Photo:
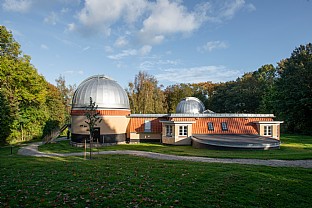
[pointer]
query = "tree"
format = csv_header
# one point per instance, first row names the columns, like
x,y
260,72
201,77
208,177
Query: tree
x,y
8,46
293,90
27,100
145,95
5,119
92,119
66,93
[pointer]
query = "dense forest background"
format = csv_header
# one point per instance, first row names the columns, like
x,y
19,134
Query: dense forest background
x,y
31,107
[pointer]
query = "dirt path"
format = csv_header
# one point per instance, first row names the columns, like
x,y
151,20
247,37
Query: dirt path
x,y
32,150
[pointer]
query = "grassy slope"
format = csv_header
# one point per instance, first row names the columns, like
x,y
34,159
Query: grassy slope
x,y
128,181
293,147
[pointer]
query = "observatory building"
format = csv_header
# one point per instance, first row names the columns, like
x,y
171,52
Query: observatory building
x,y
113,107
192,124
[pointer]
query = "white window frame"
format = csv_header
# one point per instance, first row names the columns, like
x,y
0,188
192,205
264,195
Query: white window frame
x,y
147,126
267,130
183,130
169,130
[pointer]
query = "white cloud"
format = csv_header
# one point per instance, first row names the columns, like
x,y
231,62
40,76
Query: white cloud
x,y
146,49
71,27
124,53
152,22
17,5
168,17
52,18
121,42
158,64
226,10
44,47
211,45
101,14
198,74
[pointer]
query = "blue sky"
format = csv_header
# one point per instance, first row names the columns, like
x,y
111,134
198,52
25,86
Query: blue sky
x,y
176,41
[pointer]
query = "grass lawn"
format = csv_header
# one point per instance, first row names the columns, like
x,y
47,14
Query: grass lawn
x,y
293,147
128,181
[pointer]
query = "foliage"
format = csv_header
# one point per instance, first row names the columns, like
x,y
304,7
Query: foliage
x,y
145,95
5,118
93,118
30,100
8,46
128,181
293,90
246,94
66,94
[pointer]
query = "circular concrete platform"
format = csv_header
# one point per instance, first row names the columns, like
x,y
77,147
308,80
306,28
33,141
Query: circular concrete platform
x,y
234,141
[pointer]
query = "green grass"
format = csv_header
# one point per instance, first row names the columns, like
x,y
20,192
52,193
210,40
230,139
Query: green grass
x,y
294,147
128,181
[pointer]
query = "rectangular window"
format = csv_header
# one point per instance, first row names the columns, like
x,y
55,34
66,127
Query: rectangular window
x,y
182,130
147,126
224,126
267,131
210,126
168,131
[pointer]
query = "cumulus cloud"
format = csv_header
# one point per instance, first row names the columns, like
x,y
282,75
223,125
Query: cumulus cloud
x,y
198,74
103,13
168,18
211,45
17,5
153,21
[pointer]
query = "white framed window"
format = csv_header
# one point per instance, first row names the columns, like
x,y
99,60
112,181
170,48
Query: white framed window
x,y
182,130
224,126
168,130
210,126
147,126
268,130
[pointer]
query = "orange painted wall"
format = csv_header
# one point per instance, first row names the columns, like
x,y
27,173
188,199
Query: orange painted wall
x,y
103,112
235,125
137,125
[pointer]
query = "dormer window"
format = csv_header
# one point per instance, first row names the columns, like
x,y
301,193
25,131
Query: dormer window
x,y
210,126
224,126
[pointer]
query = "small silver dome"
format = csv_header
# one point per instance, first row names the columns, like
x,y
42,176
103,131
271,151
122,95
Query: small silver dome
x,y
190,105
105,92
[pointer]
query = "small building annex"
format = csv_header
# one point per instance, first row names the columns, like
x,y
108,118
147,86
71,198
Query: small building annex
x,y
192,124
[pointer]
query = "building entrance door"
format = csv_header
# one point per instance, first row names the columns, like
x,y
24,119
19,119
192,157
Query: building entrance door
x,y
96,134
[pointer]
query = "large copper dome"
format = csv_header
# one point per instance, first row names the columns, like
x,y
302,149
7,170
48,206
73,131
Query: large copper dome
x,y
105,92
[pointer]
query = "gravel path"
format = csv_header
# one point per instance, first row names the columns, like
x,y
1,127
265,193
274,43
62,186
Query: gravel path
x,y
32,150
